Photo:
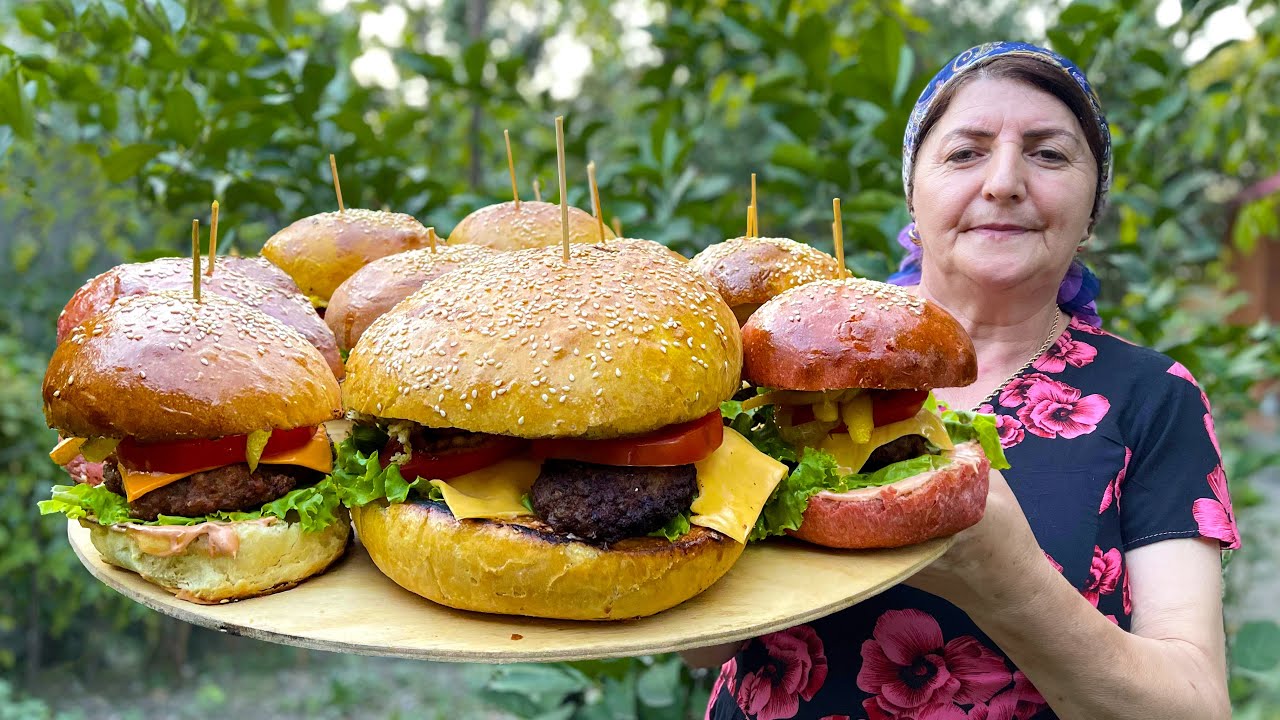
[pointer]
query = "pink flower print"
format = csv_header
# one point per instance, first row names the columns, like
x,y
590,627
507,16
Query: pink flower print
x,y
726,678
1103,574
1181,371
1010,429
1053,409
986,409
908,668
1216,518
1125,600
1015,392
796,669
1213,434
1112,493
1085,327
1020,702
1056,565
834,717
1065,351
927,712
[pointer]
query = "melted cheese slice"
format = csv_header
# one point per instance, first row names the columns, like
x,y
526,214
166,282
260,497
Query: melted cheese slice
x,y
733,484
66,450
492,492
852,456
317,455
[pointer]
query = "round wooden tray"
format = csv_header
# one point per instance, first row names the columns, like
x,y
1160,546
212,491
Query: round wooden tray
x,y
353,608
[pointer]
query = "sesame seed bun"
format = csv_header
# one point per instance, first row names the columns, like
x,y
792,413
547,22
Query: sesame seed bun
x,y
650,245
533,225
260,269
379,286
855,333
748,272
166,367
526,569
619,341
288,306
321,251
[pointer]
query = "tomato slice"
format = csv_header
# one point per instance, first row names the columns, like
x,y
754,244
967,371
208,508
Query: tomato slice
x,y
445,464
887,407
679,444
187,455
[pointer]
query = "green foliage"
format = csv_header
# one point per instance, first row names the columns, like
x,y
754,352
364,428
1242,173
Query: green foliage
x,y
647,688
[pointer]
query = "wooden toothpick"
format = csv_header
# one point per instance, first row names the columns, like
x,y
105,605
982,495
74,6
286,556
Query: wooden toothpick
x,y
213,240
564,190
511,168
431,238
537,190
755,215
195,259
837,235
617,226
337,187
595,198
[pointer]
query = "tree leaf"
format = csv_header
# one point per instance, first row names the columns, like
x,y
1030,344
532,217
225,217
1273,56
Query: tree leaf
x,y
658,685
127,161
1257,646
473,60
281,15
182,116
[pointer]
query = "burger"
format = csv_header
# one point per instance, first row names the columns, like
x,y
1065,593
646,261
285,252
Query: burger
x,y
650,246
520,226
229,279
321,251
748,272
844,370
208,418
543,438
377,287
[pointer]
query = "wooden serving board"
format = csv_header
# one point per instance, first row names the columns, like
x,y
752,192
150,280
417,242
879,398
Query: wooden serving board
x,y
353,608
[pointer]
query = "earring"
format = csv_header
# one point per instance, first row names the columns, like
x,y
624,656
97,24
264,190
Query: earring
x,y
914,235
1080,247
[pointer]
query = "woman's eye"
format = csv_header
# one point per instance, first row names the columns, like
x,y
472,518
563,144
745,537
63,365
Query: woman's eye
x,y
1052,155
960,156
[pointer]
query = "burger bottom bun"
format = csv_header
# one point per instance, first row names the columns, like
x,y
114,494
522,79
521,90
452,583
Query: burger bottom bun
x,y
929,505
515,569
270,558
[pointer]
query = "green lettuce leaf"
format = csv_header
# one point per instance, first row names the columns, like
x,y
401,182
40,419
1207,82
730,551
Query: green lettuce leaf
x,y
314,507
757,426
784,510
360,479
676,528
964,425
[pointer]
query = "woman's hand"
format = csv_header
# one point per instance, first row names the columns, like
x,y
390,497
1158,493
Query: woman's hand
x,y
976,570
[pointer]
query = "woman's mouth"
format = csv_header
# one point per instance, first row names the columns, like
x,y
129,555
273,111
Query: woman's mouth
x,y
997,231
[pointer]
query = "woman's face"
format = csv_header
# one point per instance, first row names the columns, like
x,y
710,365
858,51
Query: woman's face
x,y
1003,187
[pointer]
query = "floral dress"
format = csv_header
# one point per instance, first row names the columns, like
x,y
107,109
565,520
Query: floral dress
x,y
1112,447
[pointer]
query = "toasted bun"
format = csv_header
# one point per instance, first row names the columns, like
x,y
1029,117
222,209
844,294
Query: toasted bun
x,y
854,333
650,245
382,284
270,558
165,367
321,251
288,306
748,272
499,567
534,225
260,269
929,505
618,341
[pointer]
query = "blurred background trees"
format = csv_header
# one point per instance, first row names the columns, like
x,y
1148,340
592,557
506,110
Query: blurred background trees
x,y
122,119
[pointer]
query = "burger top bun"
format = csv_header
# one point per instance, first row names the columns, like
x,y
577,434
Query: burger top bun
x,y
855,333
750,271
534,225
617,341
379,286
260,269
288,306
166,367
321,251
651,246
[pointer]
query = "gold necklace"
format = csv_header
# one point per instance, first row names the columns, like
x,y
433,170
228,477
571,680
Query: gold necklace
x,y
1053,335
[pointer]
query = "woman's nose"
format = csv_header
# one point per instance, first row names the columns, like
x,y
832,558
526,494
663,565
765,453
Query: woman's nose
x,y
1005,175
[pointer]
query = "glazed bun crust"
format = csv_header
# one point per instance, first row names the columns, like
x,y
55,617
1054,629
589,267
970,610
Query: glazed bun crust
x,y
855,333
165,367
620,341
931,505
382,284
260,289
270,558
535,224
503,567
321,251
750,271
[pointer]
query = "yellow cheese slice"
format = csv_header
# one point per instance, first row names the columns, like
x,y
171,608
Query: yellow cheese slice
x,y
733,484
317,455
492,492
66,450
852,456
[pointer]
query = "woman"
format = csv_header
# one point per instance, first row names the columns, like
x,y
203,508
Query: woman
x,y
1091,588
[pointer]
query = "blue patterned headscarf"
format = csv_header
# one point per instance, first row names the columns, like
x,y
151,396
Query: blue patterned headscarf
x,y
1080,286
